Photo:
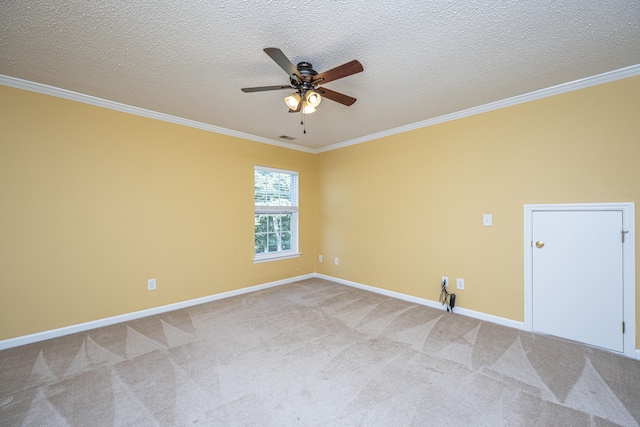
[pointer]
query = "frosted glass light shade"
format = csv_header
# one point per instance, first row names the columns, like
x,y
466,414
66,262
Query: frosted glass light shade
x,y
308,109
292,100
313,98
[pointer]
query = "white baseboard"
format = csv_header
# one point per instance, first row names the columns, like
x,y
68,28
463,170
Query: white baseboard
x,y
429,303
72,329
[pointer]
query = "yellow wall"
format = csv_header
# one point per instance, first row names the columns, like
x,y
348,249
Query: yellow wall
x,y
94,202
402,211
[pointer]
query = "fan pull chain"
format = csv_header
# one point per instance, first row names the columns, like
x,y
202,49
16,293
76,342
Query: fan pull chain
x,y
302,122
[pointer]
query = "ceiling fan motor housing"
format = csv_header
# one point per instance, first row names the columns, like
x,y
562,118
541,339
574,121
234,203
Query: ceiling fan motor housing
x,y
306,69
307,72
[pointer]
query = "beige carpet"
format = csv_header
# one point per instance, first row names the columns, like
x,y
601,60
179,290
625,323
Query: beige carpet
x,y
314,353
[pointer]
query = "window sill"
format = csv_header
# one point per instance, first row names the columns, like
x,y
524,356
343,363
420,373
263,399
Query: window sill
x,y
276,257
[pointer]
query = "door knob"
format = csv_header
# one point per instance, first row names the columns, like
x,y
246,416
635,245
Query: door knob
x,y
540,244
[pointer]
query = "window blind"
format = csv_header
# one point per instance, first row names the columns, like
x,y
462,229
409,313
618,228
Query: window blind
x,y
276,190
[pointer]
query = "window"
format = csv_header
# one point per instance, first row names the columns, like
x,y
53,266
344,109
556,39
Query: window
x,y
276,214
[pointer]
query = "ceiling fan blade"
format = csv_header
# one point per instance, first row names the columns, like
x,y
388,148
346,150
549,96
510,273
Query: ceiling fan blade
x,y
336,96
339,72
265,88
284,63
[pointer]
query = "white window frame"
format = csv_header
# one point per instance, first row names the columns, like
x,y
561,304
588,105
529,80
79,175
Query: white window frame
x,y
293,210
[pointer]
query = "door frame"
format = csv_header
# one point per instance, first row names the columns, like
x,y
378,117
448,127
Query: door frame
x,y
628,263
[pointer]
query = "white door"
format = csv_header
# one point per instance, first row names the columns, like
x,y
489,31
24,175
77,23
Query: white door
x,y
577,284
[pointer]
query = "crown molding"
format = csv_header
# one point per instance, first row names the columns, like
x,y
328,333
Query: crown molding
x,y
607,77
124,108
586,82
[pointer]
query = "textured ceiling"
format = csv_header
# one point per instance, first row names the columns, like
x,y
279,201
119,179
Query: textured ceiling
x,y
421,59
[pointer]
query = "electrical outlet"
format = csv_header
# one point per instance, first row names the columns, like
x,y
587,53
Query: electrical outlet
x,y
151,284
335,261
460,284
445,280
319,258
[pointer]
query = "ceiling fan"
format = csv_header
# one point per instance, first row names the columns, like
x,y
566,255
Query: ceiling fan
x,y
306,81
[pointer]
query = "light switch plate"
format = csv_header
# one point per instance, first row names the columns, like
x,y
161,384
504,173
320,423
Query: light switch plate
x,y
487,220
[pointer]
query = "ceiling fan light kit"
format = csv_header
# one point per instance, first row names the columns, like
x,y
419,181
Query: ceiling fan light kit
x,y
306,81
